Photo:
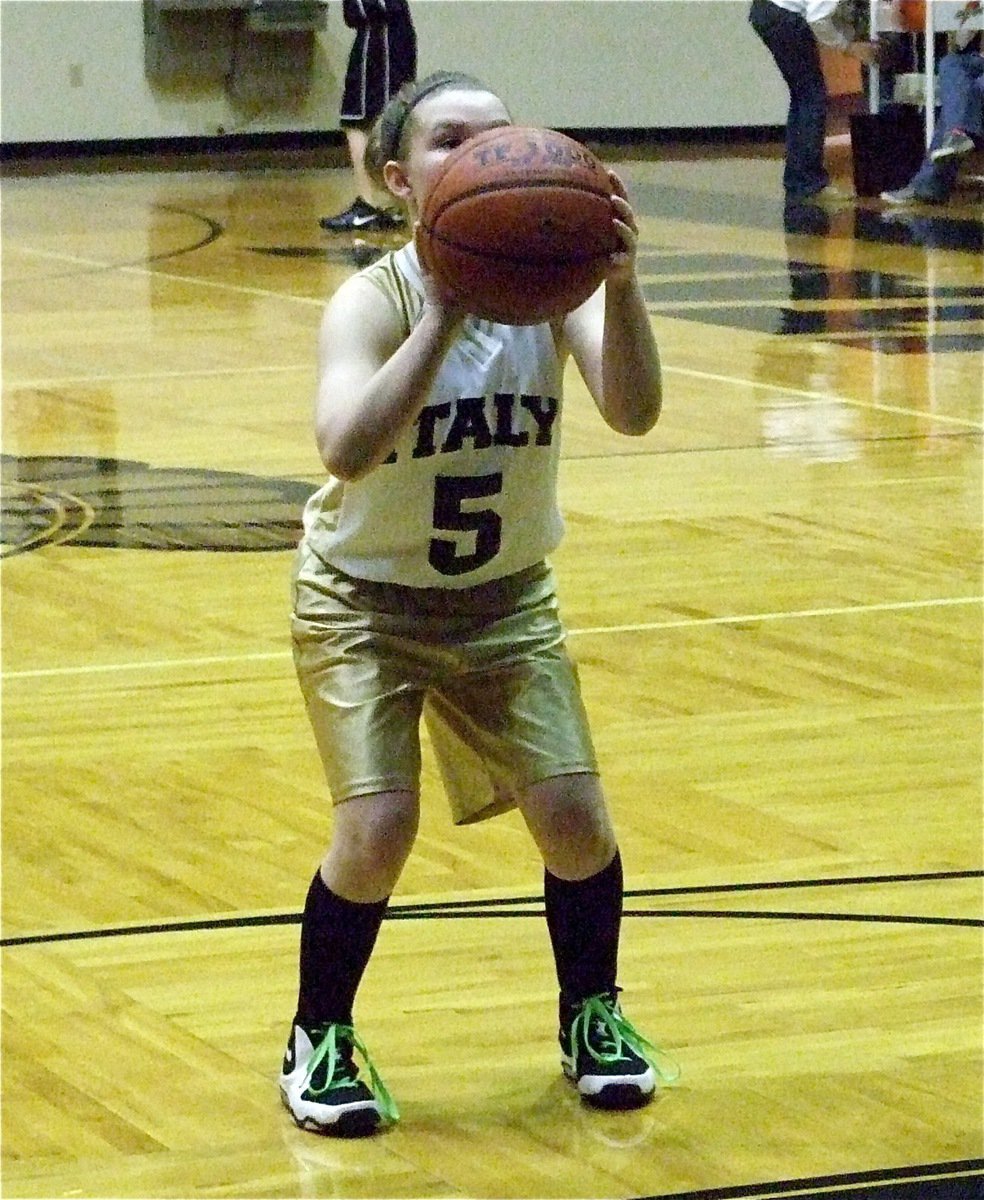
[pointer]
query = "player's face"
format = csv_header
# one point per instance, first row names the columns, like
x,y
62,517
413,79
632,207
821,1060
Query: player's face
x,y
441,122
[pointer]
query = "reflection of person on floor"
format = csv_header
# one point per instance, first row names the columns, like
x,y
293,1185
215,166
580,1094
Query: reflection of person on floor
x,y
807,280
960,124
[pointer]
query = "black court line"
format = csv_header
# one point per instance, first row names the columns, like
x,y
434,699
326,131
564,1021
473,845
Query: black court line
x,y
778,915
959,1180
520,906
214,230
711,889
956,1180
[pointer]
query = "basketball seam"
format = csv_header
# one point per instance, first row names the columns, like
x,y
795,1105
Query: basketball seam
x,y
518,260
486,189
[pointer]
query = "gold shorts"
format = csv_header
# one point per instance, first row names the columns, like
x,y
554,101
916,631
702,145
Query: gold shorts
x,y
485,667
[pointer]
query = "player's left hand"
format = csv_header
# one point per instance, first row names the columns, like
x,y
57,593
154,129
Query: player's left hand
x,y
622,263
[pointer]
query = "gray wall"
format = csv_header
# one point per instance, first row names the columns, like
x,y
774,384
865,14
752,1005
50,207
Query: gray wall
x,y
76,70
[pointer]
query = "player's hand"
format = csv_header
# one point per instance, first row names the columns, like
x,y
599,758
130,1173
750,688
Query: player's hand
x,y
622,262
436,295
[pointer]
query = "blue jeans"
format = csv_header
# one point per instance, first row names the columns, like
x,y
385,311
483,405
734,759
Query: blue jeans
x,y
961,96
791,42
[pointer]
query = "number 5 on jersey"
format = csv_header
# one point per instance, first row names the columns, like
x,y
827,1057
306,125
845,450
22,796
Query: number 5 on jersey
x,y
451,493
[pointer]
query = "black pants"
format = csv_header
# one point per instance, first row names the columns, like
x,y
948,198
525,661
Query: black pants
x,y
382,59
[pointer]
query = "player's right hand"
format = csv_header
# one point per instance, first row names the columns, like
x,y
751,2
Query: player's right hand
x,y
436,294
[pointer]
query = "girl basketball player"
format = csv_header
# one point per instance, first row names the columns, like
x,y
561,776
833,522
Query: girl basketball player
x,y
421,591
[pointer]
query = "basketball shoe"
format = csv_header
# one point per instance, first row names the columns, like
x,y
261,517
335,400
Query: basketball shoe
x,y
321,1088
954,143
908,195
606,1058
831,194
362,217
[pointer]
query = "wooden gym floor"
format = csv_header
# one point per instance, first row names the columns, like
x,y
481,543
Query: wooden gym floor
x,y
775,601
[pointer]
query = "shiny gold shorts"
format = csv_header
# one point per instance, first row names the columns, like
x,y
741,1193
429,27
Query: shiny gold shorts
x,y
485,666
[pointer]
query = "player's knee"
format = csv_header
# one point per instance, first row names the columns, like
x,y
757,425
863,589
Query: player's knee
x,y
377,831
586,850
570,822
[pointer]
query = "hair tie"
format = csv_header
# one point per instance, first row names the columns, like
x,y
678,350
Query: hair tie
x,y
394,117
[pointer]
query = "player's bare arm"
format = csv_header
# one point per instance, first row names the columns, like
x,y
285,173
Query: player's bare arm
x,y
611,336
373,379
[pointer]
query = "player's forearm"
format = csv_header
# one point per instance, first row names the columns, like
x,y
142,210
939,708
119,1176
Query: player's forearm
x,y
632,378
355,435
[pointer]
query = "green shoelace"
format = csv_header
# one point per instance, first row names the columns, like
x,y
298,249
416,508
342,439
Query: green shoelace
x,y
328,1048
600,1020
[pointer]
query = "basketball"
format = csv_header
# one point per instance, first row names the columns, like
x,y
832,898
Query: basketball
x,y
519,225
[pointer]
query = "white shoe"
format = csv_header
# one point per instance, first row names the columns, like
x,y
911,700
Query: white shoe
x,y
908,195
831,194
902,195
954,143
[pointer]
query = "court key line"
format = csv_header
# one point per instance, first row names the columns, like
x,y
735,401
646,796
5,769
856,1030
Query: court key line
x,y
194,280
641,627
689,372
149,376
874,405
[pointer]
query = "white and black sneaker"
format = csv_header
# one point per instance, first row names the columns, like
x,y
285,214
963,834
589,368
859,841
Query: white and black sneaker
x,y
362,217
321,1088
611,1064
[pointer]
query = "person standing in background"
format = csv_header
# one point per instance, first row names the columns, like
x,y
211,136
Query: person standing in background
x,y
382,59
960,124
791,31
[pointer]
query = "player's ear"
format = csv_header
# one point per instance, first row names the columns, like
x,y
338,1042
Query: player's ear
x,y
396,180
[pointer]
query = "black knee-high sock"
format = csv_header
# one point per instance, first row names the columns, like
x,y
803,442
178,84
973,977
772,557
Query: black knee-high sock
x,y
337,939
584,917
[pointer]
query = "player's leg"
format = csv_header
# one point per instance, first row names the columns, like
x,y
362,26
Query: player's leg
x,y
346,902
357,139
959,121
513,731
364,706
363,96
609,1061
383,57
363,215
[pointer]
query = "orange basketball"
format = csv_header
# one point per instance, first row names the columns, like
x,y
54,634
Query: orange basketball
x,y
519,224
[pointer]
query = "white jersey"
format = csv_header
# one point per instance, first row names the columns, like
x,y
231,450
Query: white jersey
x,y
469,493
829,20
